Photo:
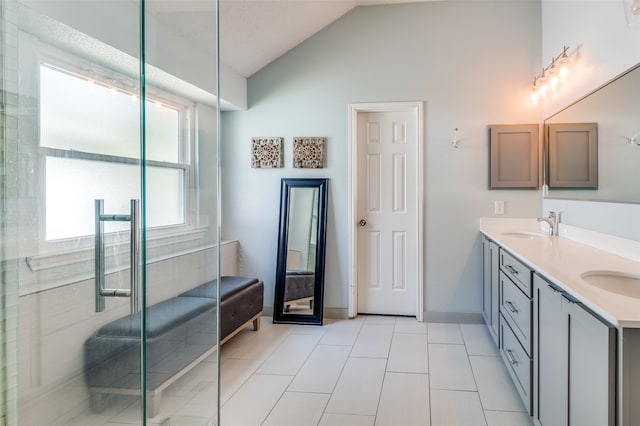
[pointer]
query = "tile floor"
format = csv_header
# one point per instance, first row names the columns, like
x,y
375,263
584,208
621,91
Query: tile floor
x,y
369,371
373,370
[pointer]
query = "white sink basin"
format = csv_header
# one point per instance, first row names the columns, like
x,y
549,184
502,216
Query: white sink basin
x,y
530,235
616,282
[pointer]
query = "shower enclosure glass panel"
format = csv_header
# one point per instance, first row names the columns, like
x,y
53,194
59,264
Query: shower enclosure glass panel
x,y
108,183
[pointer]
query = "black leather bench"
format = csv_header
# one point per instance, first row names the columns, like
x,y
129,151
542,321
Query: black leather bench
x,y
181,332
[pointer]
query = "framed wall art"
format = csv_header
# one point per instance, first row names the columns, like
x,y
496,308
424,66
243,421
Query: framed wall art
x,y
266,153
308,152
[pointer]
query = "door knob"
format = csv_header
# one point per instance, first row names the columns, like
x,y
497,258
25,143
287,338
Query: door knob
x,y
362,222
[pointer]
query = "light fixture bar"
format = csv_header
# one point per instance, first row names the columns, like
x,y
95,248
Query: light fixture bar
x,y
553,74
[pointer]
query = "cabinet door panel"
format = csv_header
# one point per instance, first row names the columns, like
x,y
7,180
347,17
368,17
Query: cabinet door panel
x,y
516,309
513,159
551,352
519,273
591,368
486,281
495,289
517,361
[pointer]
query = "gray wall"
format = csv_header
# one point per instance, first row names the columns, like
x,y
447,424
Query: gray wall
x,y
470,62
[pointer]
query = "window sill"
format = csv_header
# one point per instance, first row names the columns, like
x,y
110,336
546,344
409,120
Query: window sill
x,y
68,267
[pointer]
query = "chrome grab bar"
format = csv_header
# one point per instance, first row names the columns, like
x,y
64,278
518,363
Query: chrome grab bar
x,y
101,292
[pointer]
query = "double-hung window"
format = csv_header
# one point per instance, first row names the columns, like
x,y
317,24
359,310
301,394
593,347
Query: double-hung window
x,y
90,143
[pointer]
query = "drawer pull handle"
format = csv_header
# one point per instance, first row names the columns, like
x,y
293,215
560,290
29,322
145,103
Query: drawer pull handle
x,y
511,269
511,307
511,356
570,299
556,288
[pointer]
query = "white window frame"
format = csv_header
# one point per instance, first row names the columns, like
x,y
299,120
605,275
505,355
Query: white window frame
x,y
58,252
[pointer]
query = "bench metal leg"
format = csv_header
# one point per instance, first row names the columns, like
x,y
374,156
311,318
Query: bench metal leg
x,y
153,403
97,402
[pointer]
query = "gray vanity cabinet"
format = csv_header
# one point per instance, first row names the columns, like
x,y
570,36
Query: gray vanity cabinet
x,y
550,400
574,361
516,288
490,287
591,345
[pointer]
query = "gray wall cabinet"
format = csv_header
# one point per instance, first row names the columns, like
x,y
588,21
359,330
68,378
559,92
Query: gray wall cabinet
x,y
572,155
513,156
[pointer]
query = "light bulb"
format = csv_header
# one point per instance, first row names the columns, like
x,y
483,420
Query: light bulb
x,y
553,82
534,97
564,66
543,90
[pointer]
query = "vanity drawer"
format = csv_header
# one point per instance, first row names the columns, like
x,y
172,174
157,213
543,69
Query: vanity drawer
x,y
516,309
518,363
517,271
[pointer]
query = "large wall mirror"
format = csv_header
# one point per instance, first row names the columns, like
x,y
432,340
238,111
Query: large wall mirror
x,y
614,109
301,251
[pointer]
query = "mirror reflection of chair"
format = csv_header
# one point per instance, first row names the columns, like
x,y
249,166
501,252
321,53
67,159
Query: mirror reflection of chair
x,y
301,248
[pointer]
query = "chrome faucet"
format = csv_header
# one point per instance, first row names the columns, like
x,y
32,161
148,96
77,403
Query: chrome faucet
x,y
552,220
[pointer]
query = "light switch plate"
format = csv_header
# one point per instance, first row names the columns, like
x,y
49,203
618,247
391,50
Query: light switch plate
x,y
498,207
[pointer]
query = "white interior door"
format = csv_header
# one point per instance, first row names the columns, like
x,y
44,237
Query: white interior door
x,y
387,209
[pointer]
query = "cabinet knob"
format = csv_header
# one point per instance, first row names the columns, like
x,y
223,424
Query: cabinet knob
x,y
363,222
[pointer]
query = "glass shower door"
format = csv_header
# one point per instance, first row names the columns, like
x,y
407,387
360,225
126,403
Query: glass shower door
x,y
109,214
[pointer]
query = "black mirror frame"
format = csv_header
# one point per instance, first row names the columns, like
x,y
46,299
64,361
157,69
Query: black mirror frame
x,y
283,235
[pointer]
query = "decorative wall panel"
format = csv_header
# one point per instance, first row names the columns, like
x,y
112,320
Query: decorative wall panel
x,y
266,153
308,152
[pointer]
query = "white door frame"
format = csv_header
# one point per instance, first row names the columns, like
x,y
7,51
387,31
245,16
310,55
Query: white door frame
x,y
361,108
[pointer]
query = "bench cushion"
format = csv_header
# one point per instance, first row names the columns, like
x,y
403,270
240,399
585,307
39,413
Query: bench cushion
x,y
230,286
161,317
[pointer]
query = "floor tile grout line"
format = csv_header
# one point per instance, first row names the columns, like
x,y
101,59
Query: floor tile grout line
x,y
475,380
244,382
324,411
384,379
289,333
429,391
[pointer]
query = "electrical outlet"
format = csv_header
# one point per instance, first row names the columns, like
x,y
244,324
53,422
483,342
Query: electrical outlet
x,y
498,207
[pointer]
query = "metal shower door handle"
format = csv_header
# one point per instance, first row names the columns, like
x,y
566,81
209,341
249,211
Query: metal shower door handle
x,y
102,292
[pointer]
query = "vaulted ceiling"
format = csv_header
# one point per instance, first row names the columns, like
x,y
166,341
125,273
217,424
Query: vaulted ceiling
x,y
253,33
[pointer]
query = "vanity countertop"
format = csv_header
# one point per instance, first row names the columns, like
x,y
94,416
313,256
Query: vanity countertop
x,y
563,260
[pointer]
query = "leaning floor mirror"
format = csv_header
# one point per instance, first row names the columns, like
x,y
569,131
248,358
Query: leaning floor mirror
x,y
301,251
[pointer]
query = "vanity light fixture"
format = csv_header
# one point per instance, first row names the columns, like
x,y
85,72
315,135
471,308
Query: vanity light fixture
x,y
632,12
551,76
